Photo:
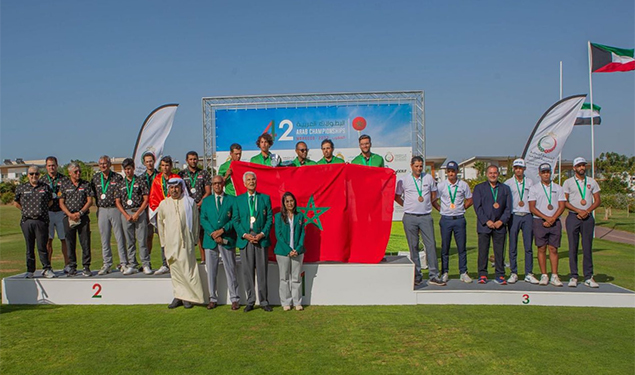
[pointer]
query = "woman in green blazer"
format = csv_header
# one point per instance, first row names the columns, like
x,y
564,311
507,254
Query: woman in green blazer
x,y
289,252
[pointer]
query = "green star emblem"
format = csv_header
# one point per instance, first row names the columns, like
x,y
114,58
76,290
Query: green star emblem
x,y
313,213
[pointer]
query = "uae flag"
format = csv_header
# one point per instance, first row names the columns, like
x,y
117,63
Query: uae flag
x,y
348,208
585,115
607,59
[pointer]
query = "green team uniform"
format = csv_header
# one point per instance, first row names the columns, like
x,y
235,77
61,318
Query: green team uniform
x,y
334,160
229,185
374,161
296,162
259,159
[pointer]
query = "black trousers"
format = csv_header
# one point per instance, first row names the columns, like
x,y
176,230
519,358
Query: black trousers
x,y
36,232
498,236
83,231
577,228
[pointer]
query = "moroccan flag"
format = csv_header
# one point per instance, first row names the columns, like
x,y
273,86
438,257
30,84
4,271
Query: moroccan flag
x,y
348,207
607,59
157,194
585,115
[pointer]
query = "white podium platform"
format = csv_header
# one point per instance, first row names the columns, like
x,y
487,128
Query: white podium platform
x,y
387,283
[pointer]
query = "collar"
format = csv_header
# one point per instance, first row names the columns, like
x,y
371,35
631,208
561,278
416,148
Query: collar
x,y
219,195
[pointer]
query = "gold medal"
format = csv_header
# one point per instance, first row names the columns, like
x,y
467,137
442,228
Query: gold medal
x,y
583,202
496,205
420,199
252,220
452,206
550,207
521,204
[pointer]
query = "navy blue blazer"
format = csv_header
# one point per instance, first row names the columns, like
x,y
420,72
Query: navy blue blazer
x,y
484,205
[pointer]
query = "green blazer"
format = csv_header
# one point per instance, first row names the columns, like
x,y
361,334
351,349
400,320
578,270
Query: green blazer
x,y
375,160
296,162
283,231
213,219
264,218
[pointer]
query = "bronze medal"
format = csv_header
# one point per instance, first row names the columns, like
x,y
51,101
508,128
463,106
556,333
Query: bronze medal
x,y
550,207
521,204
420,199
452,206
583,202
496,205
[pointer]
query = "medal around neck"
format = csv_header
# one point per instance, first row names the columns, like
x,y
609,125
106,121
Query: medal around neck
x,y
252,219
129,202
521,204
420,199
102,197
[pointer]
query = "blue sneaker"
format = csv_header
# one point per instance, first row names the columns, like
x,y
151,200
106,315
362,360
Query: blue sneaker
x,y
500,280
482,280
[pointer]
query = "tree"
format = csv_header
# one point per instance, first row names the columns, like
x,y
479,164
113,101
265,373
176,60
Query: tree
x,y
480,167
613,171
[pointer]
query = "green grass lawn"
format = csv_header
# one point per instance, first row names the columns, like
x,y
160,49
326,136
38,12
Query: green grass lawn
x,y
618,220
322,339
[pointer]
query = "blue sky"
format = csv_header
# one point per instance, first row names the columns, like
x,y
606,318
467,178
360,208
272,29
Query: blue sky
x,y
79,77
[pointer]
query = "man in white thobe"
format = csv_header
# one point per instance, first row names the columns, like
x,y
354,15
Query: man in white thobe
x,y
178,223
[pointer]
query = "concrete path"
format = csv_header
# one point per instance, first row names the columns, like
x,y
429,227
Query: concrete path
x,y
614,235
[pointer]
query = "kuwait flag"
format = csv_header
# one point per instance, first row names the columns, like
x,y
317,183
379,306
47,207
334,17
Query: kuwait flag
x,y
607,59
585,115
348,207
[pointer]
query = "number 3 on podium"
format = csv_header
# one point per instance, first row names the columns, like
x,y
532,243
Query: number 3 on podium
x,y
525,299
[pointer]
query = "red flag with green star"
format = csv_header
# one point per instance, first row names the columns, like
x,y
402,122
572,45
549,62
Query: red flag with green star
x,y
348,207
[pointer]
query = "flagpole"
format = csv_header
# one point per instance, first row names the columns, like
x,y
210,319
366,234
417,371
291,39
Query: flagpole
x,y
591,99
560,155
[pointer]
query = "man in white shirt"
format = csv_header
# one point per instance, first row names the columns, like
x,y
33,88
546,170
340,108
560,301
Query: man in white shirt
x,y
583,196
416,192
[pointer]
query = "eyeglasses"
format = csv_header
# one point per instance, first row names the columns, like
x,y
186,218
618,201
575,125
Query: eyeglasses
x,y
76,171
33,173
217,183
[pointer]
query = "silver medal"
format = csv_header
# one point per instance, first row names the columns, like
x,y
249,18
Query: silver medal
x,y
193,190
252,220
103,196
129,202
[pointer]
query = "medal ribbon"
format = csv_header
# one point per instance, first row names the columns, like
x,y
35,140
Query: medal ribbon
x,y
579,189
149,179
164,186
548,195
419,191
104,189
54,185
453,197
192,180
252,205
367,162
130,189
494,194
518,188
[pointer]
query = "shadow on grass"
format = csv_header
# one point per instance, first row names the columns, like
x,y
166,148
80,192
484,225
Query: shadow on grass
x,y
6,309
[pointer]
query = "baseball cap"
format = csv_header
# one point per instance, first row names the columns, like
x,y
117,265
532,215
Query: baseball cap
x,y
452,165
544,167
579,160
519,163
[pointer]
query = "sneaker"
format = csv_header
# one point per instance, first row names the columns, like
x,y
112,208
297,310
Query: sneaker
x,y
162,270
573,282
28,275
544,279
418,282
130,270
286,308
49,274
445,277
531,279
71,272
202,263
513,278
555,280
500,280
482,280
299,308
104,270
67,268
147,270
591,283
87,272
466,278
436,281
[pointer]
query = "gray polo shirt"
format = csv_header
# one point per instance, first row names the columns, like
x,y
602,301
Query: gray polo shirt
x,y
540,192
588,189
517,189
462,193
407,189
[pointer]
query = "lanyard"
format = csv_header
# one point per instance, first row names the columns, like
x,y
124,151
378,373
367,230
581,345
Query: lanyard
x,y
150,178
367,162
192,180
518,188
54,185
419,190
130,189
579,189
548,195
453,197
104,189
164,186
494,193
252,205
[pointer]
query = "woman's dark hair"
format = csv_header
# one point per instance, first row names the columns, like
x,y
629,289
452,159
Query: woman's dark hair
x,y
283,210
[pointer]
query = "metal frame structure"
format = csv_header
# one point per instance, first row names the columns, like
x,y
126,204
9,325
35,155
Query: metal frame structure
x,y
211,104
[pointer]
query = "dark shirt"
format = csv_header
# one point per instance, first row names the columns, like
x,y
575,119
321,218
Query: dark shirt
x,y
137,188
148,178
76,196
484,205
56,187
109,191
34,201
200,178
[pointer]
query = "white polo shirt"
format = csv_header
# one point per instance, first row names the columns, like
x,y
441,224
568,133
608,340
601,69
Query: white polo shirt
x,y
540,192
407,189
588,189
462,193
517,189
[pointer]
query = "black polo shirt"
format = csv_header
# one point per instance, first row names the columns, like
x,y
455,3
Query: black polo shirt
x,y
76,196
56,187
34,201
148,178
107,193
133,190
196,180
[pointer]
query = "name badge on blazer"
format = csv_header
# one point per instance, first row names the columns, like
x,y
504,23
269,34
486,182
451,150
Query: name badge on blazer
x,y
264,212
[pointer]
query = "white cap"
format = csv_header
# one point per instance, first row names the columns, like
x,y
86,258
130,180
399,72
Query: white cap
x,y
519,163
579,160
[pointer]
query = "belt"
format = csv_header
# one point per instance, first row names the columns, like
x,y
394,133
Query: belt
x,y
521,213
408,213
453,217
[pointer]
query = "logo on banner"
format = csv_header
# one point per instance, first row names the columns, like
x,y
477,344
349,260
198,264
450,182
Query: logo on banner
x,y
389,157
313,213
359,123
548,143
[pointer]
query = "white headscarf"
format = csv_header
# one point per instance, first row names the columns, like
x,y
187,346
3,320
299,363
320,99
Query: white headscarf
x,y
185,196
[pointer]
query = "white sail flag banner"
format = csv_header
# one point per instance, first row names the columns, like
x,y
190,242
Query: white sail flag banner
x,y
550,134
154,132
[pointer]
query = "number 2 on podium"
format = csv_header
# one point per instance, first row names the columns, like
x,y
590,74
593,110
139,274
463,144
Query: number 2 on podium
x,y
98,287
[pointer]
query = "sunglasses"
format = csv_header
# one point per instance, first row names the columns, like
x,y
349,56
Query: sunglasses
x,y
33,173
303,149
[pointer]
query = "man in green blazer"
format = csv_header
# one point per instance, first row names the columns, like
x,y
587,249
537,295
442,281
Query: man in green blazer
x,y
217,220
253,222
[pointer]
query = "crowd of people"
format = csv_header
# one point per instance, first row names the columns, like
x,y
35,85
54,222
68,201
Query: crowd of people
x,y
194,208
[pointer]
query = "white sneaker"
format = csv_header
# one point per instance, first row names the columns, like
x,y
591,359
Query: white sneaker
x,y
512,279
544,279
130,270
28,275
104,270
530,278
591,283
162,270
555,280
147,270
573,282
466,278
49,274
445,277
